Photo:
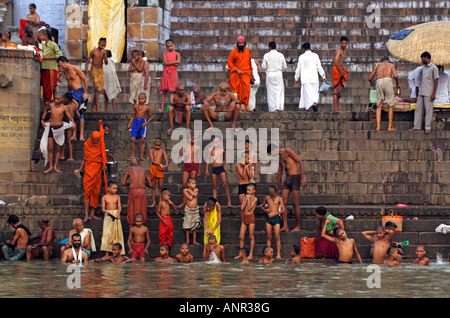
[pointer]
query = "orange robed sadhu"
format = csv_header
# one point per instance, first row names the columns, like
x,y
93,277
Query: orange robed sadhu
x,y
94,162
240,84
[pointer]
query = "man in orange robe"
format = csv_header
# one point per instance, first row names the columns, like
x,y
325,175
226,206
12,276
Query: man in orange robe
x,y
241,75
94,163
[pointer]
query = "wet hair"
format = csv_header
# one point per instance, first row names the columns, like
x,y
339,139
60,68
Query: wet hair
x,y
32,5
272,45
165,246
244,250
62,59
108,53
68,96
102,40
426,54
265,249
139,216
12,219
343,38
390,224
212,238
296,248
336,231
211,201
321,210
306,46
76,235
391,250
118,245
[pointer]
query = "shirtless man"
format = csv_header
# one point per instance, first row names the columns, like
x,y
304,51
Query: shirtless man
x,y
46,241
86,243
197,98
77,83
75,254
15,248
248,206
139,121
293,168
345,245
58,112
227,106
98,57
67,101
180,108
382,240
384,72
30,37
339,73
137,179
213,249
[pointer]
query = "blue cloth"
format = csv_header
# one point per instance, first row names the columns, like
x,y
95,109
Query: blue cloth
x,y
63,242
401,35
78,97
137,131
218,170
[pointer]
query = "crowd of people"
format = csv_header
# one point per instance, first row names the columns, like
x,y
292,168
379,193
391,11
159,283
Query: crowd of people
x,y
235,95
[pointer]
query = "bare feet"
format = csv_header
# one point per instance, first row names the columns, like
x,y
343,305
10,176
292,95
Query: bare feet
x,y
392,129
278,257
92,216
284,229
48,170
378,128
428,131
196,243
296,229
132,156
70,159
152,206
142,159
57,170
414,129
87,218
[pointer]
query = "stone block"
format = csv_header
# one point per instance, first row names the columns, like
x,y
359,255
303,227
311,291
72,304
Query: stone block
x,y
134,32
135,15
149,32
150,15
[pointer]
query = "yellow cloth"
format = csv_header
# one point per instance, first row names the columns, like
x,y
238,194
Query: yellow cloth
x,y
107,20
112,232
212,220
135,86
97,77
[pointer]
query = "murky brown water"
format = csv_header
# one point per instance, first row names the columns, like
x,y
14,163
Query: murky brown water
x,y
200,280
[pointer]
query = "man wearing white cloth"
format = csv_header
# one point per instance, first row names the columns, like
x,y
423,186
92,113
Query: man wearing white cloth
x,y
308,70
54,131
274,64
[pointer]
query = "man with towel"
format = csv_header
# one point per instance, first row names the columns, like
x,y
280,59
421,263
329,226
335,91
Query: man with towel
x,y
307,71
339,73
98,57
54,131
136,69
385,92
137,179
94,163
87,238
241,71
274,64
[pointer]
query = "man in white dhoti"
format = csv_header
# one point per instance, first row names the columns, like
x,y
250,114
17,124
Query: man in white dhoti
x,y
254,88
412,79
274,64
443,89
112,85
54,131
308,70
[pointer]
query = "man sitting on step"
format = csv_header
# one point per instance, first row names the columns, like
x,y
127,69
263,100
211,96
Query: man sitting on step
x,y
227,106
179,108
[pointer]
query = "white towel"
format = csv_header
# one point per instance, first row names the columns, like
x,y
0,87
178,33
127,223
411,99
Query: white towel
x,y
84,233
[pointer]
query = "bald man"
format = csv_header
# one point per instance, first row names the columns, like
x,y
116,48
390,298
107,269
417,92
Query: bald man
x,y
227,106
180,108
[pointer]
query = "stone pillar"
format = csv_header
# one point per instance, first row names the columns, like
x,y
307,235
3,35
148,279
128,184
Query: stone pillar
x,y
19,108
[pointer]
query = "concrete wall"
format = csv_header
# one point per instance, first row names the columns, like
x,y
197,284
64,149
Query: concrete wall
x,y
19,108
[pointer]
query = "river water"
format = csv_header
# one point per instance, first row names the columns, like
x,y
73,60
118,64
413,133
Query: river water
x,y
200,280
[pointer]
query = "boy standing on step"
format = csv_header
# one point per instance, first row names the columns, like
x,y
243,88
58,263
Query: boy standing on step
x,y
140,122
273,205
248,218
157,155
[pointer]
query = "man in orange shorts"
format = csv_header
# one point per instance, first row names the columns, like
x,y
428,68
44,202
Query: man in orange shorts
x,y
339,73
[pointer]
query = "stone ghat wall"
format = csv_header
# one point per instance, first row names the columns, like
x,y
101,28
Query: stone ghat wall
x,y
19,108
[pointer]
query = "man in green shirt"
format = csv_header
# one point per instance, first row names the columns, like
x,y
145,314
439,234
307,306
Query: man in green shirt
x,y
49,72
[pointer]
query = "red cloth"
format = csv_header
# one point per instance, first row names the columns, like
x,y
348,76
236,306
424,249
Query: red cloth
x,y
94,162
138,250
23,23
166,231
240,84
44,235
169,79
137,203
325,247
49,80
